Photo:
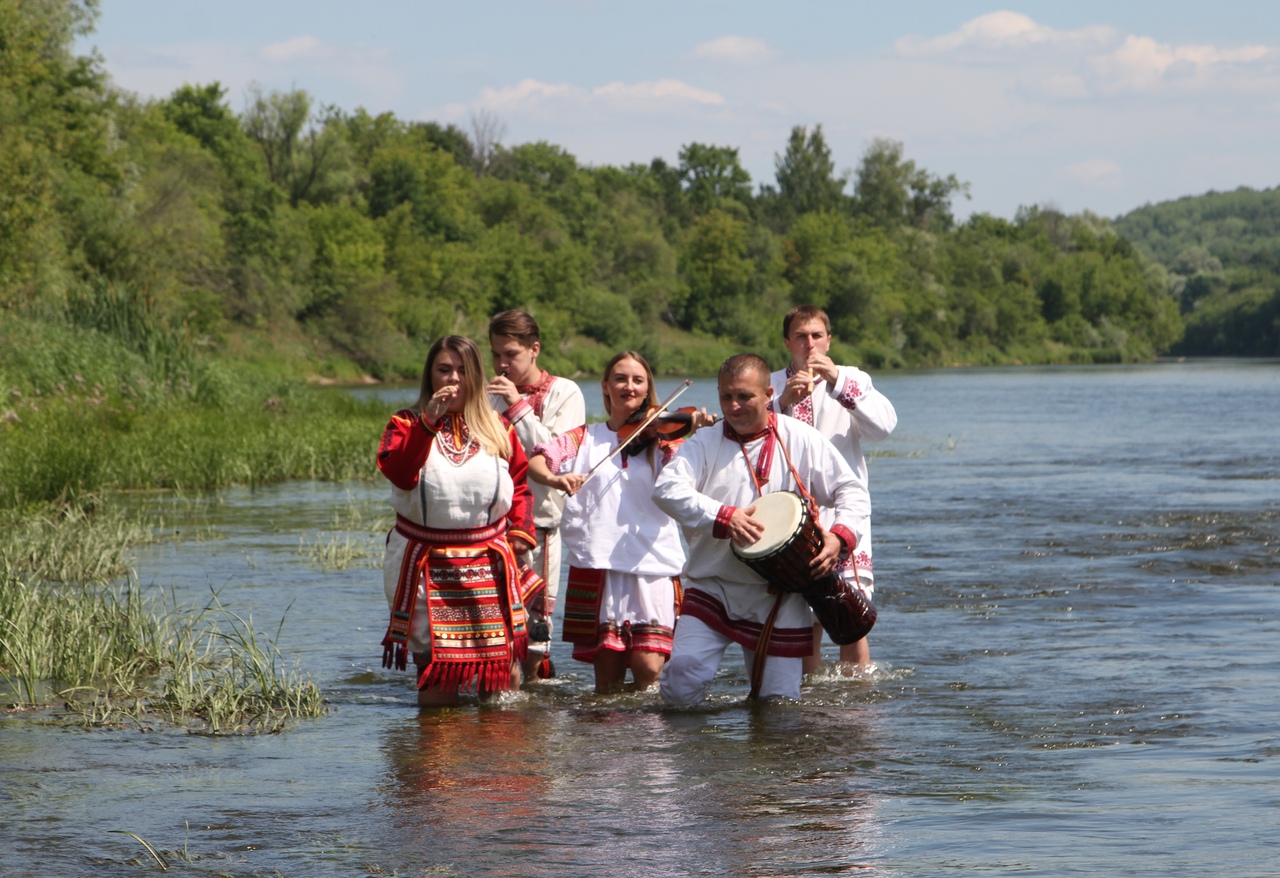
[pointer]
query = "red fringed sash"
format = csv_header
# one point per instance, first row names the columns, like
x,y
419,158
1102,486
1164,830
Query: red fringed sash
x,y
533,591
583,591
474,601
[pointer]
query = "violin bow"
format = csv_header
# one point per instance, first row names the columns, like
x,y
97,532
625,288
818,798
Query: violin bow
x,y
653,415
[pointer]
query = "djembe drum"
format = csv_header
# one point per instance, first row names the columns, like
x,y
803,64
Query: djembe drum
x,y
792,538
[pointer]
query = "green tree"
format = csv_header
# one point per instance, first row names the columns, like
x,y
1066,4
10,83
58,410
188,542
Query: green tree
x,y
307,155
717,268
891,192
55,151
712,175
252,232
806,175
440,193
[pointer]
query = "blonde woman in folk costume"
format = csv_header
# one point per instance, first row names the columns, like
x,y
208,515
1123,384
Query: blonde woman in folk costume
x,y
841,403
463,513
624,552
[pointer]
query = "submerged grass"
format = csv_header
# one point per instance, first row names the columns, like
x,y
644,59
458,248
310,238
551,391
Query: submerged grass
x,y
74,628
355,537
114,401
82,540
118,658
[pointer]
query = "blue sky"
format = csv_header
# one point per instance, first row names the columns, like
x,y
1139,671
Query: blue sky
x,y
1083,106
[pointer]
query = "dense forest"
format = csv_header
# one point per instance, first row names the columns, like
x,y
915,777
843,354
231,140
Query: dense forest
x,y
311,239
1222,250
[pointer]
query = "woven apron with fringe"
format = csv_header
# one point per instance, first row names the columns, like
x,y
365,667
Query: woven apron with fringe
x,y
474,603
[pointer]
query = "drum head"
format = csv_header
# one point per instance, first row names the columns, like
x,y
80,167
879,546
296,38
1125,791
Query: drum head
x,y
781,514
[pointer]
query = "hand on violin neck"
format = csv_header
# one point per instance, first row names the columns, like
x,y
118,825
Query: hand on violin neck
x,y
665,425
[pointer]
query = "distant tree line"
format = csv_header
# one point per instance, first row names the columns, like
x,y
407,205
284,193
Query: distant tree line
x,y
1223,252
298,229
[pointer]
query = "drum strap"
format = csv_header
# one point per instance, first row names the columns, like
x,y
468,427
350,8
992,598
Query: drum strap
x,y
762,648
758,482
800,485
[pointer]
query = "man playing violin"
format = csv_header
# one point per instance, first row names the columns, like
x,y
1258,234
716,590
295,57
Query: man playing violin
x,y
710,489
842,404
541,407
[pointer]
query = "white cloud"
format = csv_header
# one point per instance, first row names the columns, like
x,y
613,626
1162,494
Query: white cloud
x,y
1092,63
298,48
1099,173
1141,64
736,49
998,31
531,92
307,49
662,90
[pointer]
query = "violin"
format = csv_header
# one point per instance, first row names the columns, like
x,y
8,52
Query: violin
x,y
665,427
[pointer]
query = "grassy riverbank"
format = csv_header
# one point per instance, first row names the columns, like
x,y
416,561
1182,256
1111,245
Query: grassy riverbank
x,y
78,421
85,416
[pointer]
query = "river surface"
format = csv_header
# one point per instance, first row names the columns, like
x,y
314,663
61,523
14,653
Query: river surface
x,y
1078,674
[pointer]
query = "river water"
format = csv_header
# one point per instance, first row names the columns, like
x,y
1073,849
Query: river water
x,y
1077,674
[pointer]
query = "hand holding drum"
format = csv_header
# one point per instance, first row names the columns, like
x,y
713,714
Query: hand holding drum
x,y
744,528
789,555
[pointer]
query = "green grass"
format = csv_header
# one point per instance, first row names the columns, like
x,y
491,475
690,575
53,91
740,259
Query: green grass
x,y
355,538
66,446
119,402
118,658
87,540
76,628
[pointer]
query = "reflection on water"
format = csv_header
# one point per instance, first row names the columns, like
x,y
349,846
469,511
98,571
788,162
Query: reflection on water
x,y
1076,573
599,791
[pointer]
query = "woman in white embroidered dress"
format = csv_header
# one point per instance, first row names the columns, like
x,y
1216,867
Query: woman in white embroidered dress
x,y
463,510
624,554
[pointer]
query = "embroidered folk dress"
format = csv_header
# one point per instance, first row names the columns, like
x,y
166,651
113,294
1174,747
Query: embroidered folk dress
x,y
623,550
702,486
449,572
544,411
847,414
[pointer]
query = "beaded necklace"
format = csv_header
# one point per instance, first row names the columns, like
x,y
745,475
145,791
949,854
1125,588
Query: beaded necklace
x,y
455,440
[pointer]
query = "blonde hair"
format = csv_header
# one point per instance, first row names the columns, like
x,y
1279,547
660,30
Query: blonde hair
x,y
482,420
652,399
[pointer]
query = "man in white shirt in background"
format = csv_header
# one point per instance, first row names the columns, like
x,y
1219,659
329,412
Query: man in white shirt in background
x,y
842,404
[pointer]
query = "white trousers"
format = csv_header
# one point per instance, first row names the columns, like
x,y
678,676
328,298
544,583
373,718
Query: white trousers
x,y
696,656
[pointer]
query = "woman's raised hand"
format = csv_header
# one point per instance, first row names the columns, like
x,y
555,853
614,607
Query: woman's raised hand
x,y
439,402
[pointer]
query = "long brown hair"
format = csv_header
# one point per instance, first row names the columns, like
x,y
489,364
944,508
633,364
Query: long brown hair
x,y
481,419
